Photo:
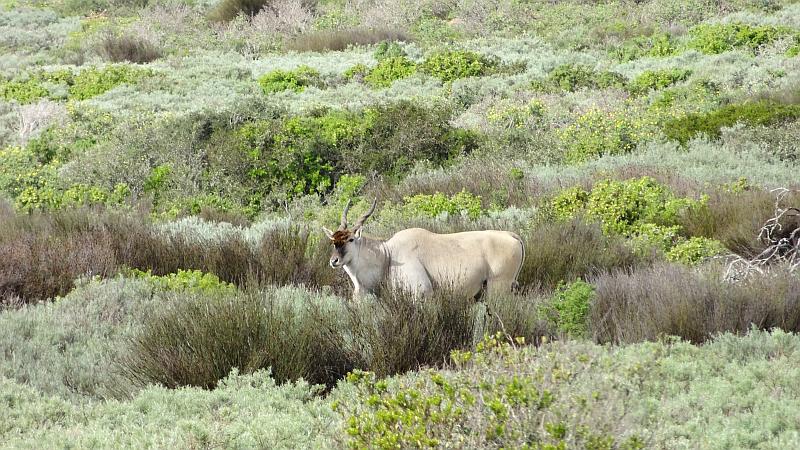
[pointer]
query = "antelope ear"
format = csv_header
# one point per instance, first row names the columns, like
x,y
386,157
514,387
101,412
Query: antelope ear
x,y
328,233
358,233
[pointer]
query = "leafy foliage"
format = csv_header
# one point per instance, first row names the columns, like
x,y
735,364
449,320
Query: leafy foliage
x,y
464,203
653,80
186,280
719,38
388,70
762,112
572,77
656,45
94,81
386,50
596,133
694,250
568,310
455,64
295,80
640,209
22,91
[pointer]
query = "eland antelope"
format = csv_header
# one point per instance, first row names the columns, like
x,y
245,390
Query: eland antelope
x,y
418,261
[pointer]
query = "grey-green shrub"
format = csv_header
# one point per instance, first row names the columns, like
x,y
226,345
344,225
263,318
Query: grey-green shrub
x,y
695,305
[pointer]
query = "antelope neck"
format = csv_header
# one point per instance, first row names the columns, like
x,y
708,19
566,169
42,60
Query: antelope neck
x,y
368,265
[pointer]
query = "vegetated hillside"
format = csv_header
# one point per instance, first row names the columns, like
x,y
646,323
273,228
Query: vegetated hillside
x,y
165,168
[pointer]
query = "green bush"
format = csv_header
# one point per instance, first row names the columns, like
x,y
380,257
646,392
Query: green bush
x,y
623,205
568,310
762,112
640,209
653,80
658,45
357,72
719,38
186,281
295,80
49,197
23,91
452,65
386,50
596,133
94,81
388,70
694,250
572,77
464,203
402,133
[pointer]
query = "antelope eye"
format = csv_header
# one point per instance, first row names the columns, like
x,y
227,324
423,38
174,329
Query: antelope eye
x,y
351,240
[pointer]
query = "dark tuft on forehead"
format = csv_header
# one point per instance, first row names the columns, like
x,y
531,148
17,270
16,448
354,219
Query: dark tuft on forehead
x,y
341,236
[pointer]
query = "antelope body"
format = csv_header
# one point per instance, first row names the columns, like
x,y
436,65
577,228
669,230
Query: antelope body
x,y
419,261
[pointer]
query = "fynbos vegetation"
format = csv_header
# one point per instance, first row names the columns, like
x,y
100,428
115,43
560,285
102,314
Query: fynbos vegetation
x,y
166,169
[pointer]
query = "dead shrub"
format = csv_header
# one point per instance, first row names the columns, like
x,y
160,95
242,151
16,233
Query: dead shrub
x,y
646,304
128,48
338,40
42,255
227,10
735,218
566,251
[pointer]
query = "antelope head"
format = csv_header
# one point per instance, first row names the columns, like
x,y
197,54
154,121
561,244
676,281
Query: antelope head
x,y
346,241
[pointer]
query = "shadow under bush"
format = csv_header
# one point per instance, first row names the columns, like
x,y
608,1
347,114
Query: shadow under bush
x,y
646,304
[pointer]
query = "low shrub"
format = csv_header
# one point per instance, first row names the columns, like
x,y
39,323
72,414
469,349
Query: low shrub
x,y
45,252
389,70
357,72
386,50
338,40
695,305
228,10
621,206
735,216
23,92
494,396
762,112
196,340
186,280
295,80
94,81
657,45
464,203
597,133
572,77
65,349
695,250
568,309
49,197
128,48
307,154
567,251
455,64
653,80
723,37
